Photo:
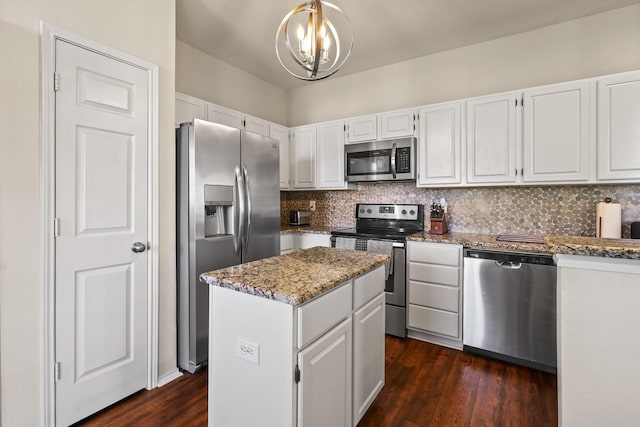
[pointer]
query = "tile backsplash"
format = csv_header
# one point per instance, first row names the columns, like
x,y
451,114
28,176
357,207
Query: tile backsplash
x,y
540,210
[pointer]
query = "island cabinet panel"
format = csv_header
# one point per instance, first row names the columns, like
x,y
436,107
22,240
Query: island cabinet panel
x,y
319,315
324,392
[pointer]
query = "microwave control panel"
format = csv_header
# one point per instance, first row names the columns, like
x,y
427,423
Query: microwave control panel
x,y
403,157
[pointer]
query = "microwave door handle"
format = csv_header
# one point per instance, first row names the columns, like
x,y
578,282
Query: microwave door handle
x,y
393,160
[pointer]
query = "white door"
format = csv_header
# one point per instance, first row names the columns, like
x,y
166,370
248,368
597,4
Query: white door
x,y
330,155
224,116
363,128
303,156
101,204
281,133
439,145
254,124
324,391
397,124
491,139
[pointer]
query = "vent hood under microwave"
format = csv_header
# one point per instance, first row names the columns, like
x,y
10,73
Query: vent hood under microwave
x,y
389,160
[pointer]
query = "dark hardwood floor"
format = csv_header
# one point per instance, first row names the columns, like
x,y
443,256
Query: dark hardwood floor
x,y
426,385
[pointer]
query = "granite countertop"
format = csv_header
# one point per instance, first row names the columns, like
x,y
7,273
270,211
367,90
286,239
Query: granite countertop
x,y
296,277
315,229
571,245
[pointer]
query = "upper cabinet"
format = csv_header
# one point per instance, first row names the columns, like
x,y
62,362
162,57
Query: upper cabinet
x,y
303,157
363,128
188,108
491,139
254,124
397,124
281,133
236,119
330,154
618,152
557,133
439,144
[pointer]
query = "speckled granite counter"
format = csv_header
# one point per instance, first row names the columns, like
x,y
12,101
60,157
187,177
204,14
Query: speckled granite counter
x,y
307,229
296,277
571,245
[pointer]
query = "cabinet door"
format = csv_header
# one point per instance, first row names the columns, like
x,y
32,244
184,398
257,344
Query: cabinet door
x,y
303,157
368,355
188,108
363,128
224,116
397,124
254,124
491,139
439,144
324,390
281,133
619,127
310,240
556,133
330,155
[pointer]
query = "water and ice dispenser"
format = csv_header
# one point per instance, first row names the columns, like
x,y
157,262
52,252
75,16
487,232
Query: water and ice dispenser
x,y
218,210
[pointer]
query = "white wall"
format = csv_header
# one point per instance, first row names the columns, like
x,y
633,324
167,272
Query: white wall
x,y
206,77
144,28
600,44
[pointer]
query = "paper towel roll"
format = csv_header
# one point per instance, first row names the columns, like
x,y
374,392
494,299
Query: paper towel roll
x,y
609,220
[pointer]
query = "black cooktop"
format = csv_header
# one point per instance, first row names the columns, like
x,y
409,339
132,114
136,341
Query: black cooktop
x,y
369,233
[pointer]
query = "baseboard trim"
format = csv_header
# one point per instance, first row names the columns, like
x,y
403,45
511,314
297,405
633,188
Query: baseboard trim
x,y
167,378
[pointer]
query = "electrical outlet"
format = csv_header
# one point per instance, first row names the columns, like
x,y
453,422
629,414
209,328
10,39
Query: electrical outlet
x,y
248,351
312,205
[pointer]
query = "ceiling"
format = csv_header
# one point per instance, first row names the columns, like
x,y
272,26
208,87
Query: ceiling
x,y
242,32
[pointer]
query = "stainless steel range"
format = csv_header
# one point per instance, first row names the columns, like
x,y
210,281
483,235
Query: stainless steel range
x,y
384,229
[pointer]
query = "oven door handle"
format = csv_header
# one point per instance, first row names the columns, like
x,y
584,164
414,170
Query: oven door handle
x,y
393,160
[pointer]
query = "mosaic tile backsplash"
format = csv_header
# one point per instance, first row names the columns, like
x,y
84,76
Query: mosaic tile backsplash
x,y
562,210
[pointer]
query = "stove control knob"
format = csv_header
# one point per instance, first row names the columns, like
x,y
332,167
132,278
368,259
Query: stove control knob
x,y
361,210
412,212
368,211
404,211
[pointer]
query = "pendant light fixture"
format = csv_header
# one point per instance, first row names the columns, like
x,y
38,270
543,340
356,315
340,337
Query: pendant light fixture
x,y
308,44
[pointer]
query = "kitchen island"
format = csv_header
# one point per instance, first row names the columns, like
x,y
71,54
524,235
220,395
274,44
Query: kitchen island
x,y
296,339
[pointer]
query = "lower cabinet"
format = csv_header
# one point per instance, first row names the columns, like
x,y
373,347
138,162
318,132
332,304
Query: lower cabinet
x,y
435,294
289,242
317,364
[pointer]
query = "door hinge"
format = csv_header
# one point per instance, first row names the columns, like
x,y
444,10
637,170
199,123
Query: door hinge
x,y
516,171
522,172
56,371
516,102
244,124
56,82
522,102
56,227
297,374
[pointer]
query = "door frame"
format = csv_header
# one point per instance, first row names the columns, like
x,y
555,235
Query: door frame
x,y
49,34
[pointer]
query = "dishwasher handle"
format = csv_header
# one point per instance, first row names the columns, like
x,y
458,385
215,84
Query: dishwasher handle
x,y
510,266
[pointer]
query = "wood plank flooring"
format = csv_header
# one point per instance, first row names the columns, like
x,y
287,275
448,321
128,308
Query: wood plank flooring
x,y
426,385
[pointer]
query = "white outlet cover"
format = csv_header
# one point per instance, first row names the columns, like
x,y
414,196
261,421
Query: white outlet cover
x,y
248,350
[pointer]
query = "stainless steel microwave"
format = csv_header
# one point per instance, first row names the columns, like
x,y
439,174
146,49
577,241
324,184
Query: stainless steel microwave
x,y
391,160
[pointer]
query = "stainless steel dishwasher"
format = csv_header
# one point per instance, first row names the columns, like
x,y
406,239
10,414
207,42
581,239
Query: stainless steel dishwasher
x,y
509,307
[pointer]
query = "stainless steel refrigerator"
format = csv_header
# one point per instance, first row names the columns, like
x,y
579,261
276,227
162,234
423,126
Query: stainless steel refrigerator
x,y
228,213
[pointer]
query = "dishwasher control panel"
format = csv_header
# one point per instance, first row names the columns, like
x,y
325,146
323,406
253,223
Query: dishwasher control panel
x,y
510,257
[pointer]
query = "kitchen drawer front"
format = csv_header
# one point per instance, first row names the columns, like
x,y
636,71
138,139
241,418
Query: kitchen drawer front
x,y
434,296
438,321
368,286
434,253
437,274
323,313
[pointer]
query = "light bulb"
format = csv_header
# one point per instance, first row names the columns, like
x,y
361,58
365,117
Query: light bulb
x,y
326,42
300,32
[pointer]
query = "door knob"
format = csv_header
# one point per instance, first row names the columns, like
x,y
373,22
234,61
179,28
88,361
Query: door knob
x,y
138,247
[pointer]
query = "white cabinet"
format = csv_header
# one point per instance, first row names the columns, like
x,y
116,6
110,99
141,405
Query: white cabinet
x,y
224,116
439,144
290,242
362,128
619,128
303,157
368,354
557,133
188,108
397,124
435,294
281,134
286,243
324,391
256,125
491,139
330,154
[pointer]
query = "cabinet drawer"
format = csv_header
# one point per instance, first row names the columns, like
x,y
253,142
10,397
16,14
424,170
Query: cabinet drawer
x,y
322,313
429,319
434,296
368,286
431,253
437,274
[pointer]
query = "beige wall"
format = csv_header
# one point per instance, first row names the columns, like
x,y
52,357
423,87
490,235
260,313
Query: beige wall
x,y
144,28
601,44
206,77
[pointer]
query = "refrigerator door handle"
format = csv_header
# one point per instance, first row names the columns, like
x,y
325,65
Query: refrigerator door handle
x,y
247,194
238,211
